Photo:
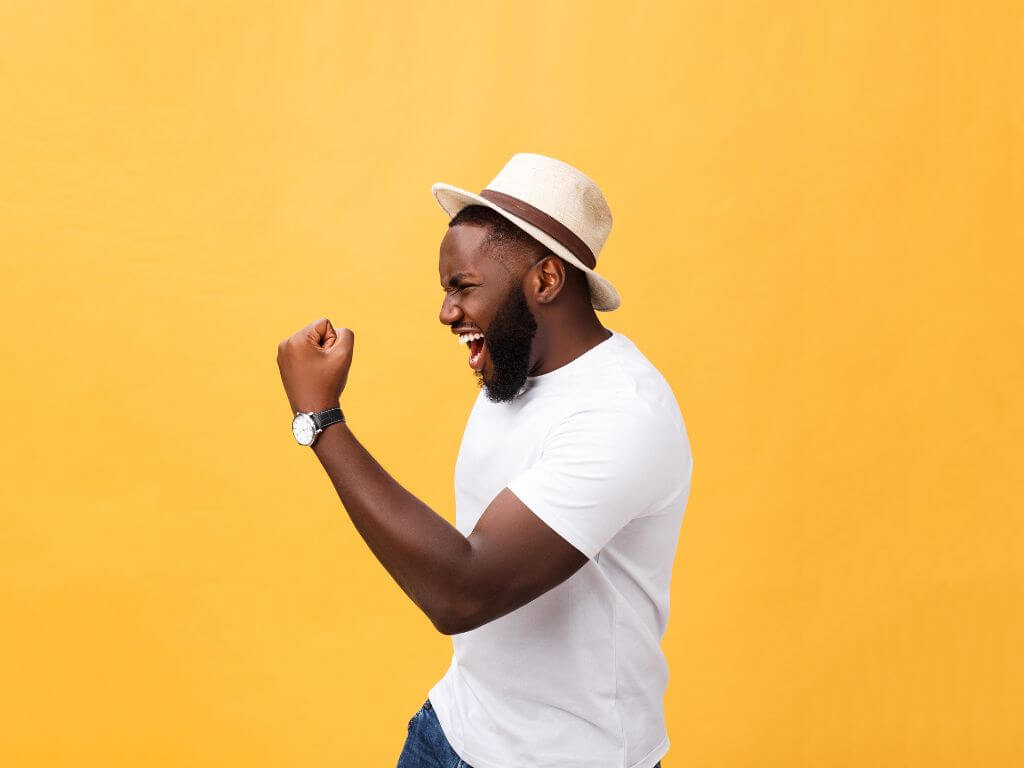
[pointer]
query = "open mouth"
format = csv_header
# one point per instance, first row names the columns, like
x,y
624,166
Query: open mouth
x,y
477,349
477,352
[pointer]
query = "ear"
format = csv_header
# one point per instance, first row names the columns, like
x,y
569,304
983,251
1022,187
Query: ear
x,y
550,278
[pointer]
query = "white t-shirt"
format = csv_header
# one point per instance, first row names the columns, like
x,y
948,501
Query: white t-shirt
x,y
598,450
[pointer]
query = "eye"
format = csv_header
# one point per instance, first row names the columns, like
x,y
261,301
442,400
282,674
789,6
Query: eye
x,y
459,289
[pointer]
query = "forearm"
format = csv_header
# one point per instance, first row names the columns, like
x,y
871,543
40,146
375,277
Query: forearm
x,y
421,550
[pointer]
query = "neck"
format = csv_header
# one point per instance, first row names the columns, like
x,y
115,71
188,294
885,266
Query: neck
x,y
565,339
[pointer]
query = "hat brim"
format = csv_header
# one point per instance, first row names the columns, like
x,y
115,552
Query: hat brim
x,y
603,296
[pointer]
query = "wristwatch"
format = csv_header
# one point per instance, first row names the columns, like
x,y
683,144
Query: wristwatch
x,y
307,426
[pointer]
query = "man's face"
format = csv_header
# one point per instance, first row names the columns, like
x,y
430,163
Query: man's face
x,y
481,296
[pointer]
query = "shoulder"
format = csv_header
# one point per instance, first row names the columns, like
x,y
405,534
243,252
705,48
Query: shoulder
x,y
625,427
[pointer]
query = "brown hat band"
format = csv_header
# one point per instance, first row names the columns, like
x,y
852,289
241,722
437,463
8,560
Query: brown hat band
x,y
544,223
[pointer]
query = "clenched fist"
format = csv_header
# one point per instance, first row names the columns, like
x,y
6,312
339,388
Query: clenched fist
x,y
314,365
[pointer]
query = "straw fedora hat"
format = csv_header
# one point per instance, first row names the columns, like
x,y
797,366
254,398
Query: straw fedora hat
x,y
554,203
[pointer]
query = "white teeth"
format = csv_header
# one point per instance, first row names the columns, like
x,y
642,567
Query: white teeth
x,y
466,337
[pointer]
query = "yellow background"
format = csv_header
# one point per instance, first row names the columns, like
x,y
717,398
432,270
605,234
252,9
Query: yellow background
x,y
817,240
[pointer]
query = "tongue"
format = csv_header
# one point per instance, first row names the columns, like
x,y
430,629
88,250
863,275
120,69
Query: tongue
x,y
476,354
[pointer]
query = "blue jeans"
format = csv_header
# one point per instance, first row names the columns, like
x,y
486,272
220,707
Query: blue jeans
x,y
427,747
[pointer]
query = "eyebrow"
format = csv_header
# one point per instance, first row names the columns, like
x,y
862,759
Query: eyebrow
x,y
454,279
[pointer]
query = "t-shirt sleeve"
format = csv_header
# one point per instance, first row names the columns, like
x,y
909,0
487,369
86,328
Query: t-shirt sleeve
x,y
598,469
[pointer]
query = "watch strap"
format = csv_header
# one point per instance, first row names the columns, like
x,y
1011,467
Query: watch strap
x,y
325,418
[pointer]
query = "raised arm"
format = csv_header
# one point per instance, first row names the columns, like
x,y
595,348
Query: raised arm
x,y
459,582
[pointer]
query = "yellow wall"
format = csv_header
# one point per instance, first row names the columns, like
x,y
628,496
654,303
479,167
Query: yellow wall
x,y
817,239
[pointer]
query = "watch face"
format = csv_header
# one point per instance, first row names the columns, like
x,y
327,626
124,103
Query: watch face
x,y
303,428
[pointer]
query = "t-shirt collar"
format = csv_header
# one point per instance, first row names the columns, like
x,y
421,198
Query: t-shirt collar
x,y
574,365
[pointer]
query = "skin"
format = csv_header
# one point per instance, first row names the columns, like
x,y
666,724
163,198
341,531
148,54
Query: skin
x,y
567,325
511,557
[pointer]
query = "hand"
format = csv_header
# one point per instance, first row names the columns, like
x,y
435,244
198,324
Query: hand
x,y
314,365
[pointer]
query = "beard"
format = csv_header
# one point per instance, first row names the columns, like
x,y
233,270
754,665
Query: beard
x,y
509,341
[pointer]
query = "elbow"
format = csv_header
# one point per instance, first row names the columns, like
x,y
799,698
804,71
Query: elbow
x,y
456,627
460,613
446,627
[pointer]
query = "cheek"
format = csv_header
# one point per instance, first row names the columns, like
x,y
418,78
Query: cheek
x,y
479,307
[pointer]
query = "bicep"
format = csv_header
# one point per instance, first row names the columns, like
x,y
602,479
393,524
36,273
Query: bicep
x,y
514,558
598,469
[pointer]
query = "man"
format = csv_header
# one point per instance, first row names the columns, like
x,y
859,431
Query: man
x,y
571,482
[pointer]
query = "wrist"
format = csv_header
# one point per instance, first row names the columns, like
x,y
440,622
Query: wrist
x,y
307,426
327,439
316,405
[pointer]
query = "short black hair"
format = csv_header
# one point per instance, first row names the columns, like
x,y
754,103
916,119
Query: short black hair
x,y
501,232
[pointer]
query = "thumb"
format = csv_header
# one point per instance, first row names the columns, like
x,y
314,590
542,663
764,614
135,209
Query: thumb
x,y
345,342
329,335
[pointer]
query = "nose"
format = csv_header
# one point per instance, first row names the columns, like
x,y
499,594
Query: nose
x,y
450,311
